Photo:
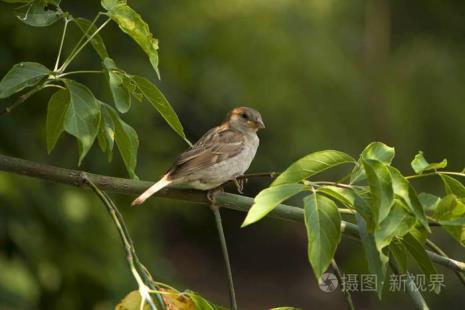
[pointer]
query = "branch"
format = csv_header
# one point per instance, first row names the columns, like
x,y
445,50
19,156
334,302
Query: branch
x,y
133,187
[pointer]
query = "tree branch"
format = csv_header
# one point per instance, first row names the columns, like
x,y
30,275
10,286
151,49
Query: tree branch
x,y
133,187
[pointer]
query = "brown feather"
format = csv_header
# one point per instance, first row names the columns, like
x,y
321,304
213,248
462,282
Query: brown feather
x,y
218,144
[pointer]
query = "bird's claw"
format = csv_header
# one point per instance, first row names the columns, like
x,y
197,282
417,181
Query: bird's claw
x,y
239,185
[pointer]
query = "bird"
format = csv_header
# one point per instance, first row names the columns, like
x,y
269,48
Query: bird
x,y
222,154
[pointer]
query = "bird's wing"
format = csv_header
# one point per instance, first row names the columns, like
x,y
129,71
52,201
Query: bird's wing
x,y
218,144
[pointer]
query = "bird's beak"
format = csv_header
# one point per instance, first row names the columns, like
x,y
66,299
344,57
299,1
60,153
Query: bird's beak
x,y
259,124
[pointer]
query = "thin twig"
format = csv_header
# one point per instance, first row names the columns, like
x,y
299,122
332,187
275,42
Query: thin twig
x,y
346,292
133,260
224,248
21,99
79,72
73,55
416,176
57,62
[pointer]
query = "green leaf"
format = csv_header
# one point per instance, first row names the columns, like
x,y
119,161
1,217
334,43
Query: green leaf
x,y
419,164
126,139
351,199
20,76
453,186
106,135
399,252
312,164
132,24
450,213
377,260
380,152
403,189
428,201
39,14
56,111
418,253
109,4
120,94
323,223
396,224
82,117
380,183
159,102
200,302
268,199
374,151
97,41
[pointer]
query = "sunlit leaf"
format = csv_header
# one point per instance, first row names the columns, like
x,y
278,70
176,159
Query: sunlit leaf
x,y
323,223
419,164
131,301
374,151
269,198
97,43
453,186
126,140
377,260
396,224
56,111
39,14
83,116
404,190
312,164
153,95
20,76
120,94
132,24
428,201
380,183
450,213
106,135
351,199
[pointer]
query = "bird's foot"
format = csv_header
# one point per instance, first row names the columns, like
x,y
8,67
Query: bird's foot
x,y
239,185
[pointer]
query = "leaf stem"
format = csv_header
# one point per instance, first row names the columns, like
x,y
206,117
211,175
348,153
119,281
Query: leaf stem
x,y
61,43
346,292
79,72
77,49
416,176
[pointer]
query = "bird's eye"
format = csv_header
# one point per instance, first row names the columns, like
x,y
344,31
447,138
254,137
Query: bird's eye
x,y
243,115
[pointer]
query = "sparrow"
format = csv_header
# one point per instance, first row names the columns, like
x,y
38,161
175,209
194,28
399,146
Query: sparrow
x,y
222,154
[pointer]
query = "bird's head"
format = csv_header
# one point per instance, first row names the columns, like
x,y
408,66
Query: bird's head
x,y
245,119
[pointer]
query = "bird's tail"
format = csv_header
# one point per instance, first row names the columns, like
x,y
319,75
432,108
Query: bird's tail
x,y
151,190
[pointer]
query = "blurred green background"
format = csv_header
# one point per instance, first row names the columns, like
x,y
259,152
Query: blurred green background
x,y
324,73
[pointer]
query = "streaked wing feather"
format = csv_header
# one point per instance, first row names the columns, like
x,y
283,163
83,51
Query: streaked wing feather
x,y
218,144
